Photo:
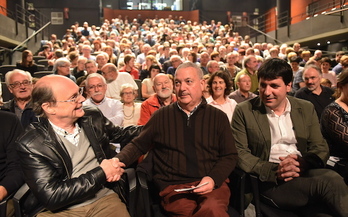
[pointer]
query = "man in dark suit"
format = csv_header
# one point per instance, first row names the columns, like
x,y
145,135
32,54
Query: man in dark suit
x,y
278,138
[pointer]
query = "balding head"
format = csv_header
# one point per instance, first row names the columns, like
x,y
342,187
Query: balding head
x,y
109,72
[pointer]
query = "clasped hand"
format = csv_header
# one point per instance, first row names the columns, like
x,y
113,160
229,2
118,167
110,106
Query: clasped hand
x,y
113,169
290,167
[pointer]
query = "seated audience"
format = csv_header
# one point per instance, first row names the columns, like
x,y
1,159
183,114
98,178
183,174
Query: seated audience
x,y
287,160
206,93
115,79
20,85
331,75
334,120
220,87
145,71
250,66
11,179
79,70
101,59
95,85
27,63
131,109
176,61
320,96
243,92
62,67
185,154
66,158
147,84
129,63
163,87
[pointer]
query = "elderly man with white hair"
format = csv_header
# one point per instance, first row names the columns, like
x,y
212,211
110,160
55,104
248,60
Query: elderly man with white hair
x,y
96,89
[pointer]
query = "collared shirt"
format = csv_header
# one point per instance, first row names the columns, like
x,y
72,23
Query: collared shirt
x,y
191,112
71,137
283,138
227,107
112,109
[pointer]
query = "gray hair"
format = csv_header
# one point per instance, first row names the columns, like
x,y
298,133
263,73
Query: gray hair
x,y
9,74
189,65
94,75
60,62
128,85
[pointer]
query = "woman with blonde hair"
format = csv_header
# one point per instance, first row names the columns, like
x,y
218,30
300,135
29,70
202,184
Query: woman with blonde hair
x,y
149,61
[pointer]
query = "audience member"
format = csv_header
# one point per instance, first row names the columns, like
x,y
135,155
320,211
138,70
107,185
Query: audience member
x,y
331,75
287,160
213,66
62,67
203,61
231,59
147,84
115,79
79,70
27,63
220,87
338,67
297,72
334,119
192,156
101,59
96,89
19,83
163,87
243,92
250,66
131,109
320,96
129,63
66,158
206,93
91,67
176,61
11,179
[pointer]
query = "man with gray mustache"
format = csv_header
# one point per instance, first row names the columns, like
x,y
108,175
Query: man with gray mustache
x,y
96,89
163,87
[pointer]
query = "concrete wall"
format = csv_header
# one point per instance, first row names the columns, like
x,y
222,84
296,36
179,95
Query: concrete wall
x,y
10,39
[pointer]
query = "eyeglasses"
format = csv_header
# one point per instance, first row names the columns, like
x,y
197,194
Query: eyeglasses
x,y
94,86
74,98
17,84
127,93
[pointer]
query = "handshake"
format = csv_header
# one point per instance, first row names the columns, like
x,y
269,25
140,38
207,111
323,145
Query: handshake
x,y
113,169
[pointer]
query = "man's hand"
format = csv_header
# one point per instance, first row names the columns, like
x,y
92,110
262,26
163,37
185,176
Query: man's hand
x,y
112,169
3,192
290,167
206,188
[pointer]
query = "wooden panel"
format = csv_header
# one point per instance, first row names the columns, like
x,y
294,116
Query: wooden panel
x,y
187,15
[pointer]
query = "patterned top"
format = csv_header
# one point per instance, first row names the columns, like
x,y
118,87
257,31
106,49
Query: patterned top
x,y
334,127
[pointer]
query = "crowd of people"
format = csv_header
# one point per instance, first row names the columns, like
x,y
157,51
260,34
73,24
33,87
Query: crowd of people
x,y
287,108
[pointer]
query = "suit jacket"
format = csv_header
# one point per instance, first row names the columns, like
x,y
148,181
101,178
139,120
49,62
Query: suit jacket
x,y
253,137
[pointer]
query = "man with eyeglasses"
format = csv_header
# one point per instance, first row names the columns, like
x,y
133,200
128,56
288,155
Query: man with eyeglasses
x,y
115,79
66,157
176,61
320,96
96,89
163,87
20,85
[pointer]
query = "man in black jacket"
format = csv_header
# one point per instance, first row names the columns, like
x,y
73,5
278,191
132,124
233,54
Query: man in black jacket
x,y
10,176
20,84
66,157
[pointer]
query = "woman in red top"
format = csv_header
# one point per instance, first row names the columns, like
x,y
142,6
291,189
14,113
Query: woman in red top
x,y
129,60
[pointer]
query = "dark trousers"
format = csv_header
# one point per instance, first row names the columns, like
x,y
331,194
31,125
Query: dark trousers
x,y
213,204
315,187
